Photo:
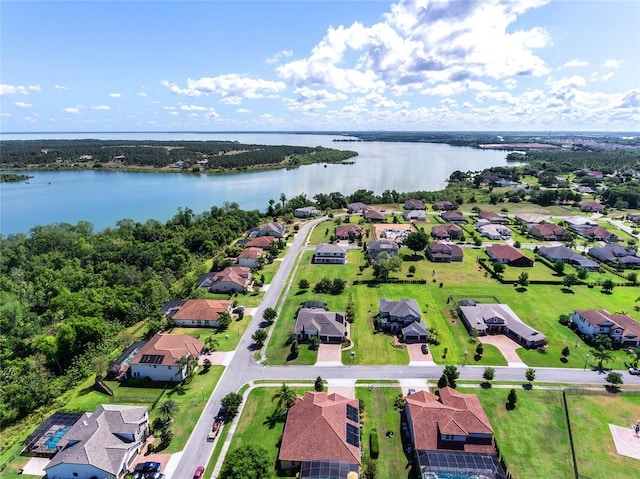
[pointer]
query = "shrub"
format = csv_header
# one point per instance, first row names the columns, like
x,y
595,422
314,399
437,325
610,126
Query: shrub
x,y
374,445
564,319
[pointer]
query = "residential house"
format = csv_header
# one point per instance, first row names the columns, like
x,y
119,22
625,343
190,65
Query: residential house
x,y
102,443
444,253
444,205
277,230
250,257
307,212
549,232
373,215
453,216
595,233
159,358
449,433
413,204
414,215
446,232
322,432
567,255
634,218
508,255
499,318
349,232
532,219
616,255
493,217
493,231
232,279
621,328
578,221
263,242
403,317
585,190
201,312
377,247
327,253
356,207
591,207
327,326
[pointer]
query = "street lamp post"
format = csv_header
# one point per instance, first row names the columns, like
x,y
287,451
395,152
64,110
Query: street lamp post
x,y
585,363
465,359
353,357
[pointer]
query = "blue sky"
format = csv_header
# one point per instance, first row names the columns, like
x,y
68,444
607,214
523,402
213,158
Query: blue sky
x,y
319,65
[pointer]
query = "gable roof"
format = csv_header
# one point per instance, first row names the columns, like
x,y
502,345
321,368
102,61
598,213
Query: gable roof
x,y
272,229
328,248
452,413
235,274
202,309
95,439
327,323
167,349
263,242
548,229
446,230
401,308
251,252
372,214
348,230
414,204
316,429
504,251
443,250
630,327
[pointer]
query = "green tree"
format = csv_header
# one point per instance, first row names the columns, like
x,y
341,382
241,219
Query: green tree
x,y
416,241
566,351
558,267
212,343
285,397
303,284
488,374
314,343
635,354
512,398
452,375
295,348
231,403
224,320
319,384
498,268
523,279
607,286
412,270
385,265
530,374
166,435
270,315
582,274
168,409
614,379
569,280
248,462
259,337
602,356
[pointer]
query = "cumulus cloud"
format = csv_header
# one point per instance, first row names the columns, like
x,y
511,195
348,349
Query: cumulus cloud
x,y
60,88
72,109
115,95
575,64
230,85
6,89
612,64
21,104
242,110
630,100
192,108
278,56
101,107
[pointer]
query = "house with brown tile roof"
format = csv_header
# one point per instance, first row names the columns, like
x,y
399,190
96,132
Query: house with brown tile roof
x,y
159,358
263,242
373,215
453,216
493,217
201,312
445,232
622,328
356,207
444,205
549,232
234,279
321,428
413,204
348,232
591,206
102,443
444,253
250,257
506,254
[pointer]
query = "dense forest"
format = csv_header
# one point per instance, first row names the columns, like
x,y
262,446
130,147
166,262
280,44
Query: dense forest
x,y
186,155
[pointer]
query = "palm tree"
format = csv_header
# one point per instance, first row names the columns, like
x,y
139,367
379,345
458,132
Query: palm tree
x,y
635,352
283,198
602,355
285,396
167,409
212,343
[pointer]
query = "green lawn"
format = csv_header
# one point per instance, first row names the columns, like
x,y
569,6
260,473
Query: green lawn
x,y
379,413
227,340
533,438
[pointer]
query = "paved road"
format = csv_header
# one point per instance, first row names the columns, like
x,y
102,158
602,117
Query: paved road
x,y
242,369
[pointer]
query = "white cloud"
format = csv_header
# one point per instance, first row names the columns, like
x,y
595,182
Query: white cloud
x,y
174,113
230,85
575,64
192,108
101,107
612,64
278,56
60,88
510,83
115,95
242,110
21,104
73,109
168,107
142,93
630,100
16,89
34,88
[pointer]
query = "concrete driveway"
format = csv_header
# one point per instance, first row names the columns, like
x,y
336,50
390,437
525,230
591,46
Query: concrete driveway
x,y
416,356
329,355
507,347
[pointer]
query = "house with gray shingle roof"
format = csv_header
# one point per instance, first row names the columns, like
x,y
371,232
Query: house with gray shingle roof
x,y
616,255
376,247
103,443
277,230
402,316
567,255
327,326
327,253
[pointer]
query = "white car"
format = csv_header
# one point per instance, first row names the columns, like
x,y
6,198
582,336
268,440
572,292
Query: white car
x,y
635,371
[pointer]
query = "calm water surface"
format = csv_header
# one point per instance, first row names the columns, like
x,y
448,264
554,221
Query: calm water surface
x,y
104,197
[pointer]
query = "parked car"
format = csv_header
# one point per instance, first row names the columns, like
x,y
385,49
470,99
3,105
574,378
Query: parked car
x,y
425,349
149,466
634,371
199,472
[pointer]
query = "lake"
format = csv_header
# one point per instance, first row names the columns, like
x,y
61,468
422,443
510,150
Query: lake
x,y
104,197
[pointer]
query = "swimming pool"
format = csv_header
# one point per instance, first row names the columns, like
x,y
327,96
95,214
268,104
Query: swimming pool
x,y
52,439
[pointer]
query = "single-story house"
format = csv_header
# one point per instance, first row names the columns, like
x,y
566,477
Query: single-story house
x,y
348,232
373,215
451,432
567,255
277,230
622,328
327,253
232,279
493,217
531,219
634,218
591,207
414,215
158,358
500,318
201,312
262,242
444,205
356,207
595,233
506,254
102,443
413,204
394,315
377,247
322,432
577,221
549,232
492,231
307,212
444,253
616,255
445,232
453,216
327,326
250,257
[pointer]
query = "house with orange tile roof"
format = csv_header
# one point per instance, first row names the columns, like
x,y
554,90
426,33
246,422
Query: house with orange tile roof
x,y
250,257
232,279
549,232
201,312
322,431
503,253
159,358
263,242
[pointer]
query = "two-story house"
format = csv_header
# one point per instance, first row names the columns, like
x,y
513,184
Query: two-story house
x,y
327,253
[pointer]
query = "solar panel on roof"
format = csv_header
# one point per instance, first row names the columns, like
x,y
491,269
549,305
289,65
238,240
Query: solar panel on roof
x,y
353,435
151,359
352,413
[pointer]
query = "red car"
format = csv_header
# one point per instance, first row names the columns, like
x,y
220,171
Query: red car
x,y
199,472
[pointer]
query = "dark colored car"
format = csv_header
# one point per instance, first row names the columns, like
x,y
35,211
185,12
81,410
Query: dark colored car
x,y
425,349
149,466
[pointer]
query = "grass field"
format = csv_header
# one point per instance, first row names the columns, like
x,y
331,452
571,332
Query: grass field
x,y
226,340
